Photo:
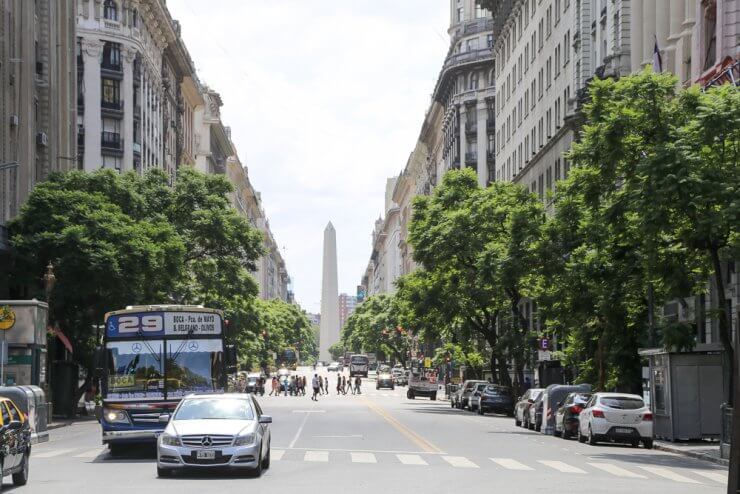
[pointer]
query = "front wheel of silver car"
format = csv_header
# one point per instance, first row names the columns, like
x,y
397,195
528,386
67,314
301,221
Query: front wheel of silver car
x,y
163,473
266,460
21,478
257,471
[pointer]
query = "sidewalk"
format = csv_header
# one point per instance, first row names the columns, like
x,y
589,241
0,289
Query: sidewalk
x,y
702,450
59,422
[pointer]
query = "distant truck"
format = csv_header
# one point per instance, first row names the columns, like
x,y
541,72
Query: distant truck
x,y
359,365
422,382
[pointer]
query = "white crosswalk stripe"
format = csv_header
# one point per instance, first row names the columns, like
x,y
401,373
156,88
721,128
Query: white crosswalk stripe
x,y
92,453
615,470
320,456
360,457
561,466
715,475
510,464
459,462
411,460
277,454
52,453
668,474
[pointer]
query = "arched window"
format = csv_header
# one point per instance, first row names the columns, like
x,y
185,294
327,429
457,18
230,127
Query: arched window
x,y
473,81
491,78
110,10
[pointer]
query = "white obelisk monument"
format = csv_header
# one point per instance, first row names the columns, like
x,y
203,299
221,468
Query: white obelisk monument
x,y
329,330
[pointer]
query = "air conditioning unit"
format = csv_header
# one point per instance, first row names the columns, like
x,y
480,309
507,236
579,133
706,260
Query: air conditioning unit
x,y
13,121
42,139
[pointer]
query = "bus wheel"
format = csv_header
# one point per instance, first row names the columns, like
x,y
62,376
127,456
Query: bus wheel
x,y
410,394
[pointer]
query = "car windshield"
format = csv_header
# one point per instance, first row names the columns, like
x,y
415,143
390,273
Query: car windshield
x,y
214,409
622,402
135,370
194,366
497,391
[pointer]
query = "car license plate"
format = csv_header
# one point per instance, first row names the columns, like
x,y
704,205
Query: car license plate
x,y
205,455
623,430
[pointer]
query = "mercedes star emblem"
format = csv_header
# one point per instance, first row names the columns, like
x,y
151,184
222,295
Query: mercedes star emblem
x,y
206,442
136,347
193,346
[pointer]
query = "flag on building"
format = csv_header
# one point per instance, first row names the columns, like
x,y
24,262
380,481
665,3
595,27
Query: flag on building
x,y
657,59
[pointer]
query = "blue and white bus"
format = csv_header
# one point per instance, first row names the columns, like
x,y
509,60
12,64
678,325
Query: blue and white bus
x,y
151,357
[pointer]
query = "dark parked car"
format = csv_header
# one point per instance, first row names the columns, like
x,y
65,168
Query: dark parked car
x,y
494,398
552,398
15,443
521,408
566,417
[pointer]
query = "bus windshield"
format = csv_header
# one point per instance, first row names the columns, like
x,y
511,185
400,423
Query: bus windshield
x,y
135,369
359,359
194,366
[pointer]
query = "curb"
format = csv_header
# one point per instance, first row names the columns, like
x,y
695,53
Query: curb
x,y
693,454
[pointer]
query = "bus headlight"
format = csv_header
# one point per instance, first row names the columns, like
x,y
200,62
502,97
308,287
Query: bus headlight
x,y
115,416
244,440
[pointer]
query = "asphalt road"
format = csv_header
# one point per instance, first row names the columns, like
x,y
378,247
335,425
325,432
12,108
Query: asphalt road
x,y
380,442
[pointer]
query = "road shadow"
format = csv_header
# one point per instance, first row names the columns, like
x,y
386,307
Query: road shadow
x,y
645,458
130,454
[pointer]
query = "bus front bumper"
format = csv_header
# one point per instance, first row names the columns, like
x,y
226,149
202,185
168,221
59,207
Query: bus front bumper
x,y
131,436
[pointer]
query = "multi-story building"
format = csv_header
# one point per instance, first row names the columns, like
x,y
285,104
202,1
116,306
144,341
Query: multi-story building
x,y
37,93
384,266
130,65
347,305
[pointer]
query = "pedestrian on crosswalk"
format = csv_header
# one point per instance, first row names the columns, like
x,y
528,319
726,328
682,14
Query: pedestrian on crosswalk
x,y
358,383
321,386
315,383
275,387
344,385
326,384
339,384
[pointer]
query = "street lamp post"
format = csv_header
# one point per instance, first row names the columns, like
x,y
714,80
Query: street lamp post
x,y
50,280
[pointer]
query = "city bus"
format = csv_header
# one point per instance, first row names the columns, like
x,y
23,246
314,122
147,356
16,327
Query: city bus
x,y
151,356
358,365
289,358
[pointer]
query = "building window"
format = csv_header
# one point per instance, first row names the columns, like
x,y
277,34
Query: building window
x,y
110,10
549,178
709,30
112,56
489,40
111,93
460,11
135,18
557,169
557,11
472,44
473,81
549,20
566,45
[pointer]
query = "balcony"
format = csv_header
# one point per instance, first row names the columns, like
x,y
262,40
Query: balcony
x,y
471,127
490,124
490,156
471,159
81,139
112,142
137,148
478,26
111,68
111,108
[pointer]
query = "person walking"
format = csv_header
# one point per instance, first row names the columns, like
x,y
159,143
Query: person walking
x,y
274,386
321,386
315,384
358,383
344,385
351,385
326,384
339,384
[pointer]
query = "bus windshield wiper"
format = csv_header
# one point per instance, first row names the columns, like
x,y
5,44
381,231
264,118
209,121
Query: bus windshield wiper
x,y
149,347
182,345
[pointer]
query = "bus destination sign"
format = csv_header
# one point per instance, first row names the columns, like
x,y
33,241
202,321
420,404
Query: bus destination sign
x,y
163,324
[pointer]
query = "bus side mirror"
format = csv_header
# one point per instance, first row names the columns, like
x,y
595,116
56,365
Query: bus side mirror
x,y
99,361
230,359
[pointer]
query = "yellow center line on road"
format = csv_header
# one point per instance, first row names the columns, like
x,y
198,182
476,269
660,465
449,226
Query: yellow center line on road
x,y
422,443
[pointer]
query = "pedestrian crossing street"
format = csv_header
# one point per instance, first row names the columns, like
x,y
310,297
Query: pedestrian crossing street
x,y
710,476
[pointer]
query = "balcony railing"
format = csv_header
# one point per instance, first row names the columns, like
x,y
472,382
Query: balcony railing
x,y
471,158
112,105
490,124
137,148
111,140
468,57
112,66
471,126
490,156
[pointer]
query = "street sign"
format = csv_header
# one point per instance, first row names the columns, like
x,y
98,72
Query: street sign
x,y
544,344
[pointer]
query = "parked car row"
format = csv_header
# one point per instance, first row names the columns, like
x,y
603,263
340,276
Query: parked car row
x,y
483,397
573,411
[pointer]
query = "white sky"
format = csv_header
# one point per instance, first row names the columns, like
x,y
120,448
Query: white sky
x,y
325,100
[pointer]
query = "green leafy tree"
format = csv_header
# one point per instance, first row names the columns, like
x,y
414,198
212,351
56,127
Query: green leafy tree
x,y
375,327
337,350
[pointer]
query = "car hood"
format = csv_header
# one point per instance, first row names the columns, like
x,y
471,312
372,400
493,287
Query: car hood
x,y
226,427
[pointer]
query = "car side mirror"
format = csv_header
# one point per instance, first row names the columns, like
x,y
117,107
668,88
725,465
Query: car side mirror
x,y
15,425
265,419
165,418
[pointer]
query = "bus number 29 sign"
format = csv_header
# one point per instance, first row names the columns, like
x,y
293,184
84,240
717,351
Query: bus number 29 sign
x,y
163,324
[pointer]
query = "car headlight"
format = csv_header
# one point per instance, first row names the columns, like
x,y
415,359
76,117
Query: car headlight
x,y
115,416
170,440
244,440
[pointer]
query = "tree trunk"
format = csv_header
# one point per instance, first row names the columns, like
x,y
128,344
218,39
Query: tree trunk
x,y
724,321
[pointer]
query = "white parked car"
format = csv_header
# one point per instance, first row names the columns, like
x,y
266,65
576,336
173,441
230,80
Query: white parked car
x,y
333,367
616,417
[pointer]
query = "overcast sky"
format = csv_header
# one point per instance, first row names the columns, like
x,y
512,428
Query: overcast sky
x,y
325,100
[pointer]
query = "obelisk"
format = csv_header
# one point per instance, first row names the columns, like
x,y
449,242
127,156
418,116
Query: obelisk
x,y
329,330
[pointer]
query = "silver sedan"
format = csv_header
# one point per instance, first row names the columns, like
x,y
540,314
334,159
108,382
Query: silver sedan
x,y
215,431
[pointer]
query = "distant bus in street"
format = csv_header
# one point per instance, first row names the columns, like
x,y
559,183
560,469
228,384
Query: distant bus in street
x,y
289,358
358,365
151,357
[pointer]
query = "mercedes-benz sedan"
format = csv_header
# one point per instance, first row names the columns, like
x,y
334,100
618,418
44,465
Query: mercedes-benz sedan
x,y
215,431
